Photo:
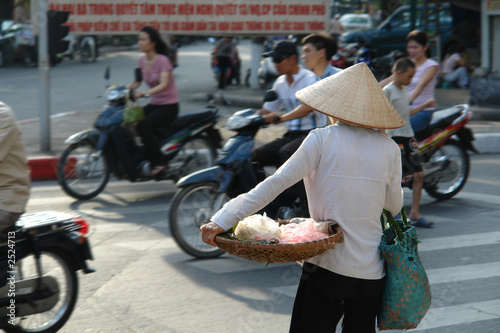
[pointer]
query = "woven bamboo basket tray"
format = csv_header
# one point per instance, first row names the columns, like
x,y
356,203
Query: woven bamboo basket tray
x,y
276,253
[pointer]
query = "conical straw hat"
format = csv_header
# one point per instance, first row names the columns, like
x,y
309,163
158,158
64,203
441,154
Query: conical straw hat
x,y
354,96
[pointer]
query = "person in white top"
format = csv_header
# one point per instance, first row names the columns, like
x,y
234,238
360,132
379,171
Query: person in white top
x,y
455,68
396,91
351,172
336,27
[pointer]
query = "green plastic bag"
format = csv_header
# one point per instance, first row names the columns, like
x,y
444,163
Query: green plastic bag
x,y
406,296
132,113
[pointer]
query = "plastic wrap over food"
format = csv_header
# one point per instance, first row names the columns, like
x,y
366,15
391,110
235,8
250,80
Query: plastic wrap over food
x,y
258,227
306,230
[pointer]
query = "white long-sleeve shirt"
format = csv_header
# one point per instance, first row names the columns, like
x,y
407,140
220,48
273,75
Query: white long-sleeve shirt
x,y
350,173
287,101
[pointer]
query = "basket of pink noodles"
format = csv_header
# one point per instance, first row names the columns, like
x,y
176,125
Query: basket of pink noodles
x,y
261,239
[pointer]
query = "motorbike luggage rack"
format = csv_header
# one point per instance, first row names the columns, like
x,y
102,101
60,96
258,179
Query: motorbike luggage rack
x,y
51,219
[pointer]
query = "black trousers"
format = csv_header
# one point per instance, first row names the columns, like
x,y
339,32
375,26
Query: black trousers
x,y
155,116
224,64
276,153
323,297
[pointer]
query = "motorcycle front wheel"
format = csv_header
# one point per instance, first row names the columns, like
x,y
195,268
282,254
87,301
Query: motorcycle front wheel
x,y
56,265
197,154
192,207
82,171
449,181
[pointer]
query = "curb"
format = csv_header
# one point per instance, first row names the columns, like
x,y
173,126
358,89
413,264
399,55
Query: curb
x,y
43,168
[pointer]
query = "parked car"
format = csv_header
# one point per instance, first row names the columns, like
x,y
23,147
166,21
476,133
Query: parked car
x,y
357,22
391,34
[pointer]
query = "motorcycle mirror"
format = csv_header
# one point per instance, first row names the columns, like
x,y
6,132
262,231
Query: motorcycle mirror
x,y
270,95
107,73
138,75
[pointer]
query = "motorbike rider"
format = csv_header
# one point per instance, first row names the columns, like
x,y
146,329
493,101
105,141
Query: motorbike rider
x,y
163,108
317,50
293,77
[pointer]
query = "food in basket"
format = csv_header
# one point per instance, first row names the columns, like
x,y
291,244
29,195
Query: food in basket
x,y
257,227
260,227
305,231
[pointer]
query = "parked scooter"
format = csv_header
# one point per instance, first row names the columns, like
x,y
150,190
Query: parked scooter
x,y
381,67
203,193
188,144
343,57
39,259
445,161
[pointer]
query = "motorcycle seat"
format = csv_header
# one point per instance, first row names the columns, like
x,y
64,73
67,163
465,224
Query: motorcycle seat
x,y
440,119
189,119
185,121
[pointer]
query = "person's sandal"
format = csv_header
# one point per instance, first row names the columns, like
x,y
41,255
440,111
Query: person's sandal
x,y
423,223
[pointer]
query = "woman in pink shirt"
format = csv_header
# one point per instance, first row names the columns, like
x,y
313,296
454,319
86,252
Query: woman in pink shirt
x,y
157,72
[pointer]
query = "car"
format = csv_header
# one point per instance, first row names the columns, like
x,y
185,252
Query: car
x,y
357,22
391,34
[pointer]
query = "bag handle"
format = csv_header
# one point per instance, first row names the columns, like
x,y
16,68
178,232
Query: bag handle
x,y
393,223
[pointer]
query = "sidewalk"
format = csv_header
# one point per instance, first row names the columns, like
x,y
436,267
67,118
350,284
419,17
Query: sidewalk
x,y
485,124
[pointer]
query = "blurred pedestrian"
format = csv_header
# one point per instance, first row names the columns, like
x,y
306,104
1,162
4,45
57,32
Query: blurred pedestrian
x,y
14,170
455,69
222,56
336,27
163,108
342,165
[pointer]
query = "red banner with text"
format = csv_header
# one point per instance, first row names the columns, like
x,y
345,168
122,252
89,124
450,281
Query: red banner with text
x,y
196,17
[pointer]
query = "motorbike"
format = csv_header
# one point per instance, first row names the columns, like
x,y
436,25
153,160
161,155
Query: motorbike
x,y
343,57
381,67
443,147
41,254
202,193
83,47
85,166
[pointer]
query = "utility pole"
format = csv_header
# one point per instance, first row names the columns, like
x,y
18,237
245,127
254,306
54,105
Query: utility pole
x,y
44,75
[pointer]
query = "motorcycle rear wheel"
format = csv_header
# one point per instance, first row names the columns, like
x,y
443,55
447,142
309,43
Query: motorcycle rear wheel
x,y
197,154
82,171
57,265
192,207
458,157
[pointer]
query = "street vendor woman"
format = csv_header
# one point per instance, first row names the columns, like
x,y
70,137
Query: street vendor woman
x,y
351,171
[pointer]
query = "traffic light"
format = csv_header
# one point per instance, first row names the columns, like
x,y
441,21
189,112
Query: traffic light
x,y
57,31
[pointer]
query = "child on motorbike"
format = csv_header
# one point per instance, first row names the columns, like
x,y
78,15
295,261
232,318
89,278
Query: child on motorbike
x,y
397,92
157,72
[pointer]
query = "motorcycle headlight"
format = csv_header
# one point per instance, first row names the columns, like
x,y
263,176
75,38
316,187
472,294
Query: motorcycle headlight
x,y
241,119
116,92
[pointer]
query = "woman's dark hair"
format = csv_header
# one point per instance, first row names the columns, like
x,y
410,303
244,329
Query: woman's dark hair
x,y
322,41
160,46
421,38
